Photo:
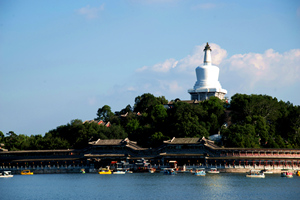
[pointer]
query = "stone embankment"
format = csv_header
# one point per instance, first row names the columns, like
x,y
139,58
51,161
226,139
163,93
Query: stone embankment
x,y
91,169
244,170
46,170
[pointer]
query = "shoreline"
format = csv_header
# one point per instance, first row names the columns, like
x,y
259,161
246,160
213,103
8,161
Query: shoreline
x,y
230,170
92,170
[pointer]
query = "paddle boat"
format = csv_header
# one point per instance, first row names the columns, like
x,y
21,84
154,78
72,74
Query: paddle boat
x,y
298,173
199,172
6,174
26,172
152,170
213,171
119,172
287,173
127,171
266,171
104,171
255,174
169,171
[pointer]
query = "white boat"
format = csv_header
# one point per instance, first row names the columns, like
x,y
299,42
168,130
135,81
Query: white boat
x,y
119,172
128,171
287,173
169,171
200,172
152,170
255,174
213,171
6,174
266,171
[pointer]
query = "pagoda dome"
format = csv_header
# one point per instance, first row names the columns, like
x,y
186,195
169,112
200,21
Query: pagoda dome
x,y
207,77
207,74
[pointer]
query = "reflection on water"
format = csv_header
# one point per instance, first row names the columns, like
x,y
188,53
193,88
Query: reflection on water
x,y
148,186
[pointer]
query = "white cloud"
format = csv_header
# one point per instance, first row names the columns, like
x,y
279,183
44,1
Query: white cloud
x,y
154,1
170,86
161,67
90,12
131,88
165,66
271,68
204,6
188,63
92,101
142,69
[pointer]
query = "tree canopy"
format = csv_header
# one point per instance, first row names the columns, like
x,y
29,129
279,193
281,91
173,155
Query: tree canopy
x,y
274,124
248,121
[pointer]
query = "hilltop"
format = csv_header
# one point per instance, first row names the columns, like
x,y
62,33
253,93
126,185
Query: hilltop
x,y
247,121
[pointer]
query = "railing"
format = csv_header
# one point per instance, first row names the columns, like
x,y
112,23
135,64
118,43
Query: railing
x,y
42,167
296,167
260,155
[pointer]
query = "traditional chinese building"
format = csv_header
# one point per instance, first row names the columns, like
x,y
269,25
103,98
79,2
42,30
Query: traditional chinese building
x,y
103,152
186,151
41,160
193,152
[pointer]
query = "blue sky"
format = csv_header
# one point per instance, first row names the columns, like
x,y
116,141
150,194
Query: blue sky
x,y
62,60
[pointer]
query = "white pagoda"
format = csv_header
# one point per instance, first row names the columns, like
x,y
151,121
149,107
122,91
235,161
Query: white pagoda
x,y
207,83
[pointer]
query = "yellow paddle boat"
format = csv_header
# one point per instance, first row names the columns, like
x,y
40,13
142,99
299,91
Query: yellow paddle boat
x,y
104,171
26,172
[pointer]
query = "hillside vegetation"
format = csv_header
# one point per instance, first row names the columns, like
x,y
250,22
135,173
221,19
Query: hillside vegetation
x,y
248,121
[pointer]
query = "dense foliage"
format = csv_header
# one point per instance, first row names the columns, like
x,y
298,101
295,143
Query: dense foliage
x,y
262,121
252,121
73,135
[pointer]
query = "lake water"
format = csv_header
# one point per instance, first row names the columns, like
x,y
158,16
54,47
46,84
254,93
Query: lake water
x,y
148,186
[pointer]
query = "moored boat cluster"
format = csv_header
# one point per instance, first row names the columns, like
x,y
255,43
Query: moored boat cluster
x,y
173,171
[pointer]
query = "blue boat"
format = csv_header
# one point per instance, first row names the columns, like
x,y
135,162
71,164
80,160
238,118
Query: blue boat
x,y
168,171
200,172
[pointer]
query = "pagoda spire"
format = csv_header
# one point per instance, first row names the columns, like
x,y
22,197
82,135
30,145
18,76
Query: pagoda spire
x,y
207,55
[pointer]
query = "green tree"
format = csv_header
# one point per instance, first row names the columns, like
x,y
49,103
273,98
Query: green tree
x,y
261,129
104,113
159,114
244,105
1,136
157,139
147,101
279,141
241,136
127,109
132,126
215,114
186,121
